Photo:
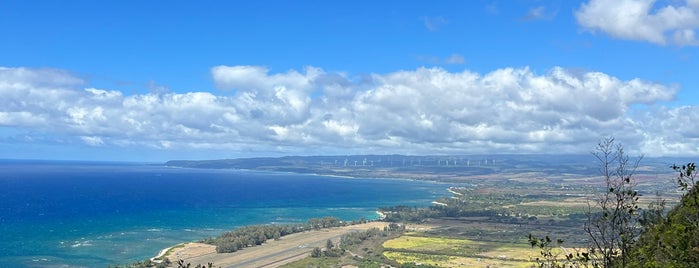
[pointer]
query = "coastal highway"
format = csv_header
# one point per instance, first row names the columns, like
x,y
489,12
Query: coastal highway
x,y
271,254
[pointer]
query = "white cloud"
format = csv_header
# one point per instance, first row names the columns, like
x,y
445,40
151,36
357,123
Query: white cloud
x,y
256,78
685,37
671,131
642,20
422,111
434,23
92,141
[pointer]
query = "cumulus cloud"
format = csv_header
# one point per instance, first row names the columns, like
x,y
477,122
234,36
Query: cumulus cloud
x,y
642,20
422,111
257,78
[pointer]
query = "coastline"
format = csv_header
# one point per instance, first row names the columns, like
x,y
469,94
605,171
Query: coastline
x,y
380,216
143,232
272,253
332,175
186,250
439,203
163,252
453,192
361,173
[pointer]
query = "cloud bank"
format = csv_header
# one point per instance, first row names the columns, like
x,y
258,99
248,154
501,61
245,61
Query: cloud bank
x,y
422,111
642,20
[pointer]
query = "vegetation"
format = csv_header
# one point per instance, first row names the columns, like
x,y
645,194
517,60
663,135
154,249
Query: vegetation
x,y
164,264
499,212
673,240
620,228
142,264
246,236
362,249
624,235
612,222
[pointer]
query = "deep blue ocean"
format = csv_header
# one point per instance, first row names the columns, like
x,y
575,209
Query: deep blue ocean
x,y
77,214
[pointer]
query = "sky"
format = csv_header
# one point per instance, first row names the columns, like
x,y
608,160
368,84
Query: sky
x,y
159,80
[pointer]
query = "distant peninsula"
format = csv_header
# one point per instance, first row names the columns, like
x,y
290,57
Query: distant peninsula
x,y
456,168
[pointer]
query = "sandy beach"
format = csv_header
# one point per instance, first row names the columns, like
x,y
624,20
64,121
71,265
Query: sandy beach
x,y
270,254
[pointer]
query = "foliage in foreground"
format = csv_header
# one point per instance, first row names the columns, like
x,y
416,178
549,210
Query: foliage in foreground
x,y
622,235
673,241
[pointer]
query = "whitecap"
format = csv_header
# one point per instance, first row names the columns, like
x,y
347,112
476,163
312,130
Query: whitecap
x,y
85,243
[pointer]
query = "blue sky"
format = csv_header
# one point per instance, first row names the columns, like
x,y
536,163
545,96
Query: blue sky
x,y
151,81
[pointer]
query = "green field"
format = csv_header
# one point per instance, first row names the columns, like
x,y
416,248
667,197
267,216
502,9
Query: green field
x,y
455,252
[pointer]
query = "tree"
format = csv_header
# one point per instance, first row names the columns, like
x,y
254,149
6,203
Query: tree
x,y
316,253
653,215
277,235
624,236
182,264
673,240
611,221
549,258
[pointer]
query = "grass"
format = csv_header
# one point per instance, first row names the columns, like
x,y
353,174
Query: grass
x,y
456,252
367,254
432,259
314,262
409,241
454,261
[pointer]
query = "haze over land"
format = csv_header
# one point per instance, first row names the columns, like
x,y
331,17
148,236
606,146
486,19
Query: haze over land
x,y
143,81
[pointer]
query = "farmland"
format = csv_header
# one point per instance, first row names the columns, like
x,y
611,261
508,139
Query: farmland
x,y
495,202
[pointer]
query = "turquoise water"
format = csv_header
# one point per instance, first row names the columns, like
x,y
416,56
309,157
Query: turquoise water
x,y
68,214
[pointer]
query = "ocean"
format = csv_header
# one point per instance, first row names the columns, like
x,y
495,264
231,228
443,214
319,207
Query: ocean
x,y
82,214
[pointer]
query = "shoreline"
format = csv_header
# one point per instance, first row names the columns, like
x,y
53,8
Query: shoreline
x,y
439,203
144,235
377,217
159,258
453,192
329,174
382,216
272,252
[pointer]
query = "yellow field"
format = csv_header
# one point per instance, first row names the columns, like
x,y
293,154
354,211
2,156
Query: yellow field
x,y
454,261
452,252
428,243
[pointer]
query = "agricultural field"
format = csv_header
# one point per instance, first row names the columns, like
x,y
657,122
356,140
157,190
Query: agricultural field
x,y
491,210
475,242
454,252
